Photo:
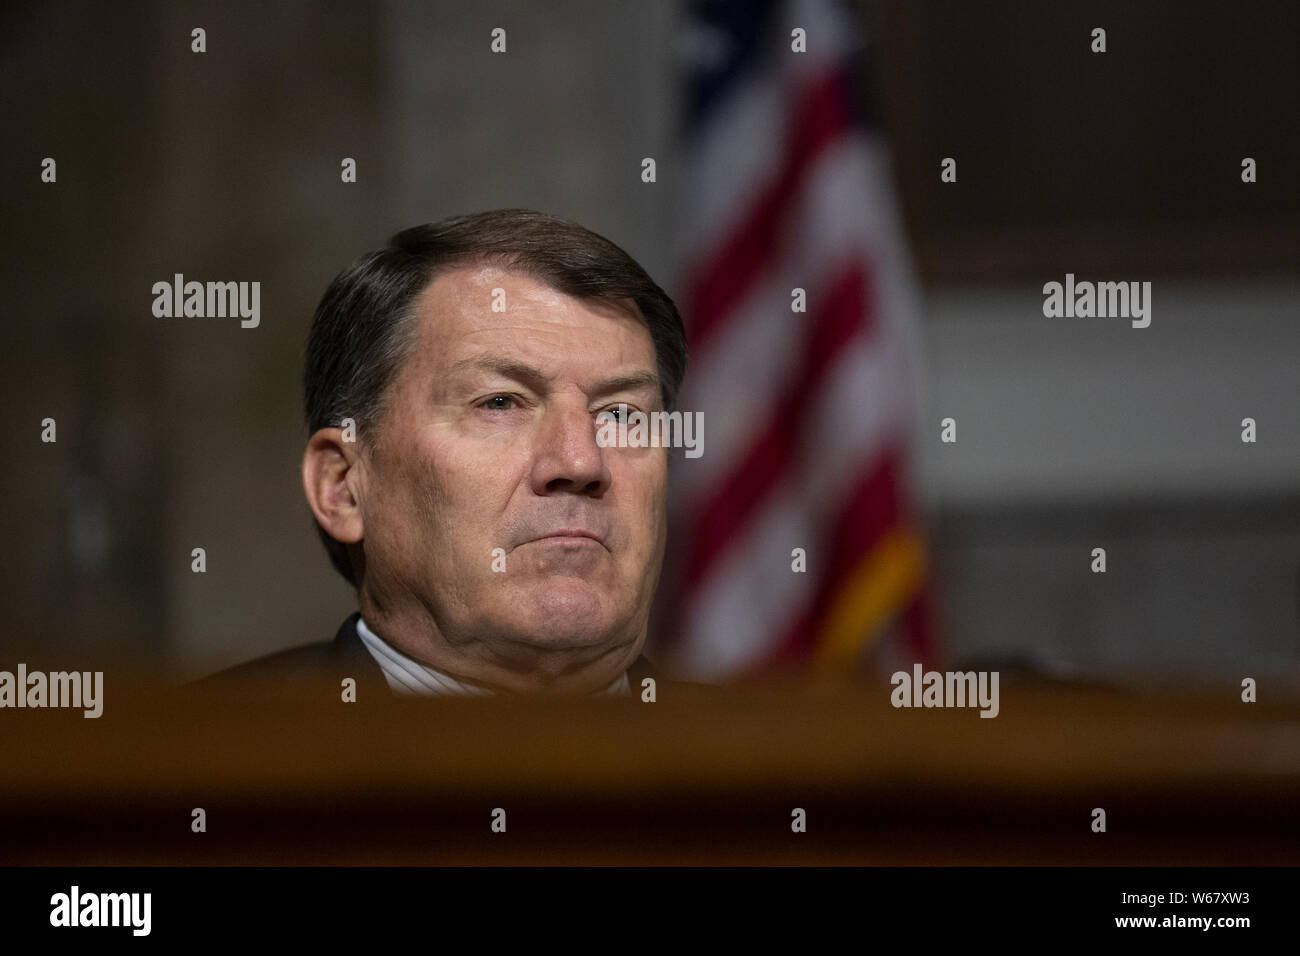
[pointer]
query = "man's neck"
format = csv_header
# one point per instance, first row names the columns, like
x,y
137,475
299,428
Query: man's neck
x,y
407,676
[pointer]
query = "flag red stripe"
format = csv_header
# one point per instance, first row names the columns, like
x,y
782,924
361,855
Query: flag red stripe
x,y
871,511
728,506
920,629
717,287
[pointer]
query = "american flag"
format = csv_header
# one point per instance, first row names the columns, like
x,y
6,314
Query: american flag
x,y
807,413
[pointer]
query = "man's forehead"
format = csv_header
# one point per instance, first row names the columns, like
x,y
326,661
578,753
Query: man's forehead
x,y
472,308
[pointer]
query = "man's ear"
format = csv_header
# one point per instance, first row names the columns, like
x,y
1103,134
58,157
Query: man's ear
x,y
330,477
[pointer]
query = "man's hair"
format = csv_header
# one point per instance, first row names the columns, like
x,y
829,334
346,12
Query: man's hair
x,y
363,329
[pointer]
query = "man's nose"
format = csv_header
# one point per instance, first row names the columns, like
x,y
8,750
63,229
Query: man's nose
x,y
567,456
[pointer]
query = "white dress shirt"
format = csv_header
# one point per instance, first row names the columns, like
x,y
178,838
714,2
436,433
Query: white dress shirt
x,y
411,678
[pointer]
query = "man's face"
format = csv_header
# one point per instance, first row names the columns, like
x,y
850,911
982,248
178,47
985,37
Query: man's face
x,y
488,504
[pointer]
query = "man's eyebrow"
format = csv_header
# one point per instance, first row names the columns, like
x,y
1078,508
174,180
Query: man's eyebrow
x,y
629,382
521,371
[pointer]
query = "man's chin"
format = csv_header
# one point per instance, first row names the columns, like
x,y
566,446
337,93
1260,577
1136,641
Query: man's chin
x,y
563,613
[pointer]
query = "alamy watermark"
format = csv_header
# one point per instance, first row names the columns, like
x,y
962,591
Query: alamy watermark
x,y
637,429
84,689
946,689
1125,300
211,300
75,908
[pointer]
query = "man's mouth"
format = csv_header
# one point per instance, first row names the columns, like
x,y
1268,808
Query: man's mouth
x,y
576,536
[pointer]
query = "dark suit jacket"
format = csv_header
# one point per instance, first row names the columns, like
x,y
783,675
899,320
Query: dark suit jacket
x,y
329,662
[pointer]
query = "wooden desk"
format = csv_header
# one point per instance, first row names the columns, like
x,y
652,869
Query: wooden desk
x,y
699,777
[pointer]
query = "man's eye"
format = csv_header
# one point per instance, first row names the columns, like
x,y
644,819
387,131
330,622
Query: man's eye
x,y
498,403
615,413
